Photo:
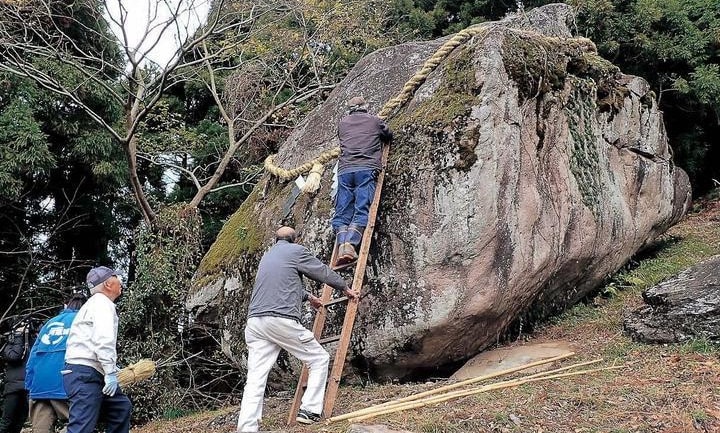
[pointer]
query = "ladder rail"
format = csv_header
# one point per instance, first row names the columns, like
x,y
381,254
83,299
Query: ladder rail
x,y
335,375
358,280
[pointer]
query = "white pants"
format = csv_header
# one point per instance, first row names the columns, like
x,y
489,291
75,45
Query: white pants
x,y
265,336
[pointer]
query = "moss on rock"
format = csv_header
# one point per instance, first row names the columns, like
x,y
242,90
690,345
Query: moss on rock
x,y
585,157
453,97
540,64
426,130
537,64
242,234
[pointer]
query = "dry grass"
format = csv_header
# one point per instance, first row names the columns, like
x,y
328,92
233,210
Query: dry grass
x,y
668,388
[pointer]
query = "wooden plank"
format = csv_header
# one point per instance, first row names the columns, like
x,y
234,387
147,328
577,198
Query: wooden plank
x,y
327,340
336,301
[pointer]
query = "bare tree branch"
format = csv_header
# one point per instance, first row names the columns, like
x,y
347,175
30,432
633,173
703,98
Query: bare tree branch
x,y
34,39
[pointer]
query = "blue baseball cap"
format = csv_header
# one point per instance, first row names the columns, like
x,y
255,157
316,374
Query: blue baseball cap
x,y
99,275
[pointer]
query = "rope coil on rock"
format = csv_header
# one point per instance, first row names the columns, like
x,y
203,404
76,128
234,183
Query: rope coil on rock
x,y
315,166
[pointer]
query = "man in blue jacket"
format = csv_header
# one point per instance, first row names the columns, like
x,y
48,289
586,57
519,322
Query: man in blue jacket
x,y
48,401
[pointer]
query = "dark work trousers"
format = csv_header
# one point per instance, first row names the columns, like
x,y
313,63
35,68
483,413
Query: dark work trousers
x,y
88,404
354,195
15,412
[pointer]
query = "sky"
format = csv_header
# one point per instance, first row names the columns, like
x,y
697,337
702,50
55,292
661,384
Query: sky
x,y
146,14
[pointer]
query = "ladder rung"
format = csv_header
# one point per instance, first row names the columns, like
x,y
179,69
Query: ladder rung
x,y
327,340
336,301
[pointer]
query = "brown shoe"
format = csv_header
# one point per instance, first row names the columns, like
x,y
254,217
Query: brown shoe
x,y
346,254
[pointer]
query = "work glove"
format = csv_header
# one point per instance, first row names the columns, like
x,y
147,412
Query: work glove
x,y
111,384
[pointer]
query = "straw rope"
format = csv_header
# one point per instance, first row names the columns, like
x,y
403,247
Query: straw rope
x,y
387,110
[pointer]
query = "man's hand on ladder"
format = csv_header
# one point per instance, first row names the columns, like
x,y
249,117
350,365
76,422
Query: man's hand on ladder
x,y
315,302
352,293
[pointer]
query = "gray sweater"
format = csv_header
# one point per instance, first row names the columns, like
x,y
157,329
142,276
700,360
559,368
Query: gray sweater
x,y
279,289
361,136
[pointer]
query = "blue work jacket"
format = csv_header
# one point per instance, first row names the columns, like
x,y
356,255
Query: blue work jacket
x,y
47,357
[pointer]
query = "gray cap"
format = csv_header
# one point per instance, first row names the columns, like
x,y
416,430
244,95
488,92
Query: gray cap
x,y
357,102
99,275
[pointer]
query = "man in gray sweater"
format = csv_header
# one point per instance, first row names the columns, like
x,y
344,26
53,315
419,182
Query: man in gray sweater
x,y
274,323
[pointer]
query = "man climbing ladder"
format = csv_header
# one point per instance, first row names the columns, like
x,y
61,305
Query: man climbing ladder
x,y
361,139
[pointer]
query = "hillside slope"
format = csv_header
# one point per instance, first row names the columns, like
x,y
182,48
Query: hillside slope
x,y
669,388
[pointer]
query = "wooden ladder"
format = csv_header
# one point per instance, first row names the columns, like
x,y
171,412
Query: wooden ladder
x,y
344,338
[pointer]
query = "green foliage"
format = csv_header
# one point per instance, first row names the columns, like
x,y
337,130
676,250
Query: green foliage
x,y
153,304
165,130
154,323
667,257
701,346
700,416
175,413
705,85
166,253
24,146
422,19
59,179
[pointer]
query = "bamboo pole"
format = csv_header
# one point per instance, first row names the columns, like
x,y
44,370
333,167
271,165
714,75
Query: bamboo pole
x,y
524,379
557,370
485,388
451,386
377,408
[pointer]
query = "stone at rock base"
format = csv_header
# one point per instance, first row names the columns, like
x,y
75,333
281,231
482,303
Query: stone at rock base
x,y
377,428
682,308
509,357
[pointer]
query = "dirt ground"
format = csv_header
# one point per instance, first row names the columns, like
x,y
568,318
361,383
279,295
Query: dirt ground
x,y
665,388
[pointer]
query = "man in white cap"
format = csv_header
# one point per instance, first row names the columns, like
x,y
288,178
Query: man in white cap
x,y
90,375
361,138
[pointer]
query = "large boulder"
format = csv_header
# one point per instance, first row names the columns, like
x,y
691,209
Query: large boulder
x,y
524,171
681,308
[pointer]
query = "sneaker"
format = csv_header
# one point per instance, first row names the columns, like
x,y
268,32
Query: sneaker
x,y
307,417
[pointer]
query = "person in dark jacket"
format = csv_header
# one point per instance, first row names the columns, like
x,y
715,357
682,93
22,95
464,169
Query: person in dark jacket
x,y
361,138
274,323
48,400
15,401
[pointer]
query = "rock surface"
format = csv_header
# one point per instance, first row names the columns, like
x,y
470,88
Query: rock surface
x,y
524,171
682,308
